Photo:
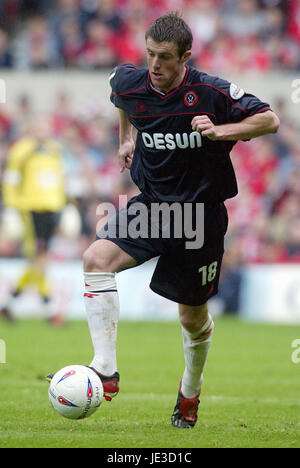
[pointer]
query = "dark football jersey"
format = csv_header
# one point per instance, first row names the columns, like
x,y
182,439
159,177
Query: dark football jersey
x,y
172,162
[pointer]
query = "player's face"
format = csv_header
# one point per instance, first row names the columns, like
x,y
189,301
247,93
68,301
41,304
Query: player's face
x,y
166,67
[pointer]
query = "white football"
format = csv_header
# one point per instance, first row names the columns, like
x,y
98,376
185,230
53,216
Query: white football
x,y
76,392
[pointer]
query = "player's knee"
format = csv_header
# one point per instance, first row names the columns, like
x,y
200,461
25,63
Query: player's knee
x,y
190,324
96,260
193,318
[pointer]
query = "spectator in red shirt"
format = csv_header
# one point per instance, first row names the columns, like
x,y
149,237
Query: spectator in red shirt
x,y
98,50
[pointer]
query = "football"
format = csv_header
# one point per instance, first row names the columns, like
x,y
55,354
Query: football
x,y
76,392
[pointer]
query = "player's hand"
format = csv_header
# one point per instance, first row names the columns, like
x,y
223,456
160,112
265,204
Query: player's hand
x,y
126,151
203,125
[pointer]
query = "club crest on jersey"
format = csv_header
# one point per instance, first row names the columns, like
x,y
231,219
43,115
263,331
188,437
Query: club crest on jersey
x,y
190,98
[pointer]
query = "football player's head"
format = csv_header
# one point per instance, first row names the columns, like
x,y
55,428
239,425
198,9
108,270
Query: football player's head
x,y
168,42
171,28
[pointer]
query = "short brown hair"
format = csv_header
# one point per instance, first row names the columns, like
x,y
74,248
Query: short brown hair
x,y
171,28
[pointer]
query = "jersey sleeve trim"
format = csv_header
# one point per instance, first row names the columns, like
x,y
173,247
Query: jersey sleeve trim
x,y
264,109
166,115
128,92
127,68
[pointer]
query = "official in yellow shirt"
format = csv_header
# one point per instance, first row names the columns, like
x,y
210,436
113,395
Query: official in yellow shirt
x,y
33,183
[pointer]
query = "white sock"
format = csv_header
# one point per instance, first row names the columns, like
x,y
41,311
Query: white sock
x,y
102,310
196,347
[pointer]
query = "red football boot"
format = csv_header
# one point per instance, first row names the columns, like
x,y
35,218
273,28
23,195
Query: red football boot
x,y
185,411
110,384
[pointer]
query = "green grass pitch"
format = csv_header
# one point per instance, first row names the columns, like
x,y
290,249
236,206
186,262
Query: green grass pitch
x,y
250,398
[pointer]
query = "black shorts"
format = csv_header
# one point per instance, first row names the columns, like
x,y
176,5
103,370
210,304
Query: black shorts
x,y
183,274
39,228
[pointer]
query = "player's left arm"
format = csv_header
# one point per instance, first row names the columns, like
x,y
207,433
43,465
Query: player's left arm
x,y
250,127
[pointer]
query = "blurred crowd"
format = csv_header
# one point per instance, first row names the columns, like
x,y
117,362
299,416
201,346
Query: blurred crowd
x,y
91,34
89,143
264,218
229,36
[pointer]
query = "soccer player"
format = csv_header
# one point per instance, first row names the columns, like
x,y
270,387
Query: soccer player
x,y
187,123
34,185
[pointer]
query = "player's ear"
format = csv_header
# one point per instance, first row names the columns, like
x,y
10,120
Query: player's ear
x,y
186,56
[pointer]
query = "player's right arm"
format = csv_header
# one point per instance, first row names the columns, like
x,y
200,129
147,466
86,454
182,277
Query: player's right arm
x,y
123,80
126,141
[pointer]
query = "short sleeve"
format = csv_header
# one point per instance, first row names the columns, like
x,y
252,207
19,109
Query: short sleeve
x,y
119,78
236,103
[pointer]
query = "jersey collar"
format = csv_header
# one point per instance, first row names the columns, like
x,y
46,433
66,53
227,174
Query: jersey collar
x,y
162,95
